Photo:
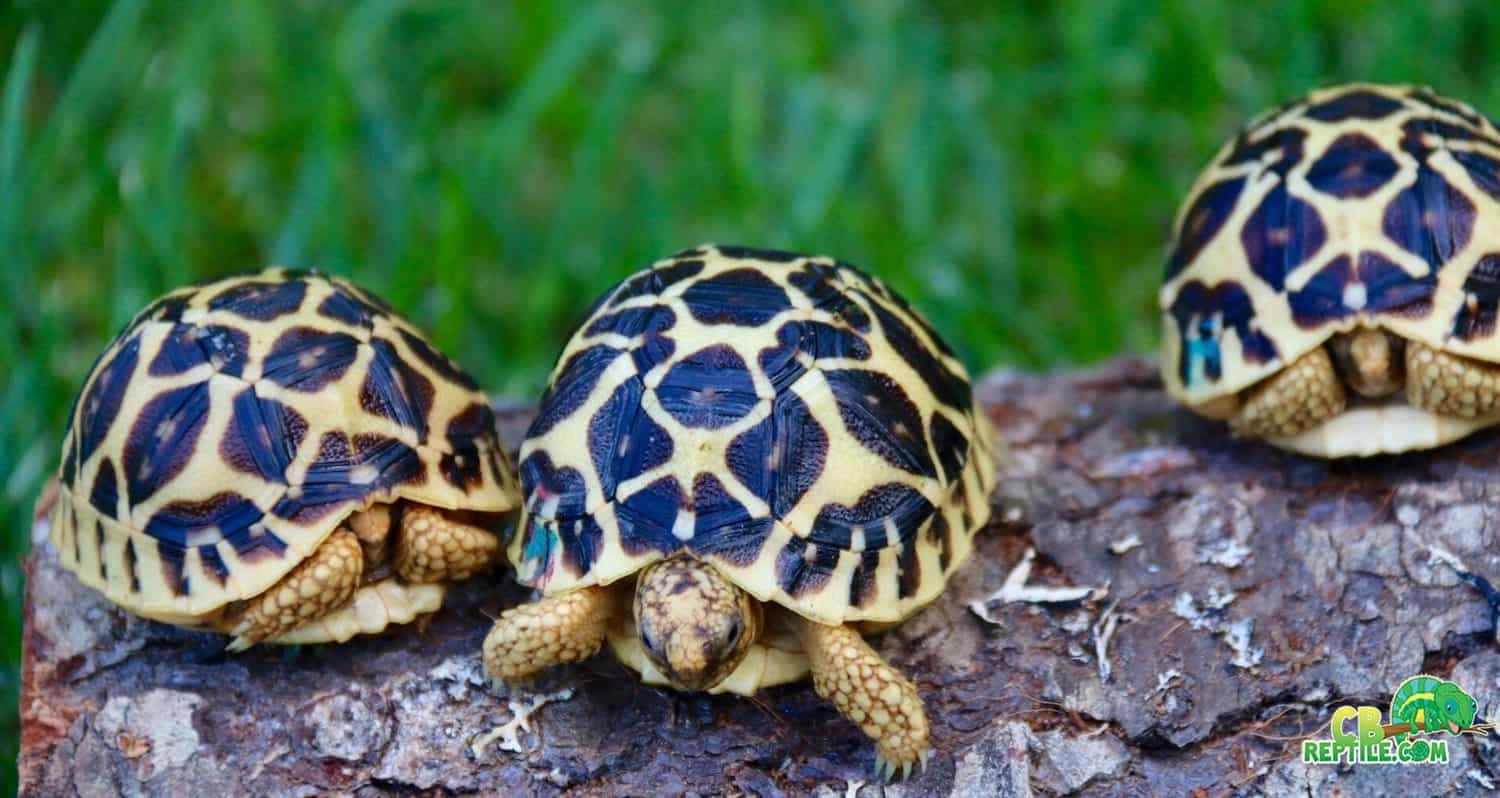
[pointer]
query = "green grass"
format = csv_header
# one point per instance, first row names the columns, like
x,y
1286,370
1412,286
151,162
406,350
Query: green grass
x,y
490,169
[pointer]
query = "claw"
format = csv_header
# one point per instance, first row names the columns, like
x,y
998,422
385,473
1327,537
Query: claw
x,y
922,758
238,644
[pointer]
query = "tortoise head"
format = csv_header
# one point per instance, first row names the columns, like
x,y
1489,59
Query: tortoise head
x,y
695,624
1457,707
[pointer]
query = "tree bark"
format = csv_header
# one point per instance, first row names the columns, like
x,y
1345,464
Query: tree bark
x,y
1248,592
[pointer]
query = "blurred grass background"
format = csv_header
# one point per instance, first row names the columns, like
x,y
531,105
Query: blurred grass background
x,y
491,167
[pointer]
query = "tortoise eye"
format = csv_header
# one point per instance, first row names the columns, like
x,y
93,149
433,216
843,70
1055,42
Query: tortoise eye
x,y
736,629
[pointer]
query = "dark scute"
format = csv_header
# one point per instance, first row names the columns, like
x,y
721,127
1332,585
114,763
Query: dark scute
x,y
327,486
716,512
655,348
100,406
1444,104
1420,136
396,391
105,495
132,565
541,481
188,346
900,504
827,341
347,308
1321,300
779,363
820,283
695,252
803,453
940,533
163,438
720,521
624,441
800,576
1195,306
952,446
646,517
227,512
475,422
755,253
1482,169
1356,104
306,359
949,388
69,467
463,466
173,568
1287,143
709,389
1389,289
261,301
796,575
1352,166
1483,284
213,564
862,581
437,361
1281,234
879,415
168,309
631,322
1203,220
742,297
574,384
909,577
581,540
1431,219
99,547
262,437
654,281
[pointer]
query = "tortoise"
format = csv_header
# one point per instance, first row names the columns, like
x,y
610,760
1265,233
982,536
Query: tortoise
x,y
281,457
1333,282
743,459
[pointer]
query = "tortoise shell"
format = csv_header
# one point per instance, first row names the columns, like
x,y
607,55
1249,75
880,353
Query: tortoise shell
x,y
1359,205
787,418
232,426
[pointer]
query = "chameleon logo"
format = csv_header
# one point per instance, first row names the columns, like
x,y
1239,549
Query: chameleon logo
x,y
1421,708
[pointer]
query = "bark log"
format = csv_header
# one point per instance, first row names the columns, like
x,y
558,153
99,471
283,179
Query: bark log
x,y
1248,592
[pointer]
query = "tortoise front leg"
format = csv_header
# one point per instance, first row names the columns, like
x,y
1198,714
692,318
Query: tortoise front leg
x,y
438,546
553,631
318,585
867,690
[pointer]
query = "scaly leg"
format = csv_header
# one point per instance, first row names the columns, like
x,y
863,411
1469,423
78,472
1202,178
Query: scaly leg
x,y
552,631
435,546
867,690
1450,384
318,585
1293,400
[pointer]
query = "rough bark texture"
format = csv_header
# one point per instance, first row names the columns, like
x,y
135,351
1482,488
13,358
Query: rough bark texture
x,y
1264,589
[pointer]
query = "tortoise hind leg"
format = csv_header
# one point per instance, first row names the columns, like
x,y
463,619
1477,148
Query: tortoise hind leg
x,y
1450,384
318,585
555,630
1293,400
867,690
439,546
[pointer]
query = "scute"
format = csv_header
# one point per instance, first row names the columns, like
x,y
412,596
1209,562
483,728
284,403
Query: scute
x,y
1360,205
232,426
795,423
